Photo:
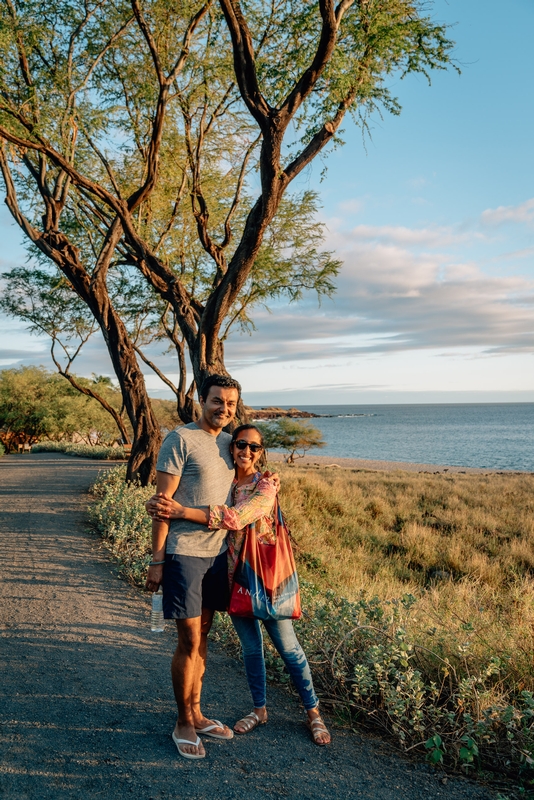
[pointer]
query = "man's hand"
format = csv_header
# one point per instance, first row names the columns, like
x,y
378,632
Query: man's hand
x,y
153,578
275,477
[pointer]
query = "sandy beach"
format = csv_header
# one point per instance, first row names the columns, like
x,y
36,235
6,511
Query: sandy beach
x,y
386,466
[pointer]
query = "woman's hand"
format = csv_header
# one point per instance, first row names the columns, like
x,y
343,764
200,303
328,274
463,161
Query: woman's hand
x,y
161,506
274,477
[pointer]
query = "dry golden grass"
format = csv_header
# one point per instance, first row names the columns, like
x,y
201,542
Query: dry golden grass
x,y
462,544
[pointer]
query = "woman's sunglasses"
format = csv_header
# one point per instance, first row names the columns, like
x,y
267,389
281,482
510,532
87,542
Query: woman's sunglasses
x,y
241,444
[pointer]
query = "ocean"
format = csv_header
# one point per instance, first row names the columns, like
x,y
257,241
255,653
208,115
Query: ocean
x,y
488,435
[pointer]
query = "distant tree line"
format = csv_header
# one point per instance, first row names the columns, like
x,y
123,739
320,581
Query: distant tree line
x,y
37,405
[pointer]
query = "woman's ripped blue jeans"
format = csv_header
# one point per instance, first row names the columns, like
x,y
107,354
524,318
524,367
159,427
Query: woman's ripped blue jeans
x,y
283,637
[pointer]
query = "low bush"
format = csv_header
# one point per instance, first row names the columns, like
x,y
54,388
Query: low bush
x,y
118,513
416,665
2,450
81,450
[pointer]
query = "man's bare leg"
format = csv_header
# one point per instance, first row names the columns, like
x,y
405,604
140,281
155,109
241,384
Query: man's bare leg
x,y
183,672
199,719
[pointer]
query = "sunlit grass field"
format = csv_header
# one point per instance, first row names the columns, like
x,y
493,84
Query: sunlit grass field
x,y
462,544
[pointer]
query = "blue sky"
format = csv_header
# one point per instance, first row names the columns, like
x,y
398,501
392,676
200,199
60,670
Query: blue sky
x,y
434,221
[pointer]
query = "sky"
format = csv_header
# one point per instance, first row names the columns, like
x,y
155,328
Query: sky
x,y
433,218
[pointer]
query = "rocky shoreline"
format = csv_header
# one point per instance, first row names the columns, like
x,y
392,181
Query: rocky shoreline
x,y
273,412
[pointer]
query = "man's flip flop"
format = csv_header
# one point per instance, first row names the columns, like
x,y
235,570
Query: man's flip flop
x,y
178,742
215,724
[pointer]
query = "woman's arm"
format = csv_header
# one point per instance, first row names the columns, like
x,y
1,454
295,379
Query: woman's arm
x,y
233,518
258,504
162,506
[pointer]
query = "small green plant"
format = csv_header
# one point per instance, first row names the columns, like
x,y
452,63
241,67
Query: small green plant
x,y
293,436
118,513
435,748
468,750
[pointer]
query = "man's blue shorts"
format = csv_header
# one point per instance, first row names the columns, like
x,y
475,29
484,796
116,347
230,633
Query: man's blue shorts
x,y
191,583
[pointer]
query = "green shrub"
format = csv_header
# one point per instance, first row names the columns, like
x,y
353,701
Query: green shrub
x,y
2,450
118,513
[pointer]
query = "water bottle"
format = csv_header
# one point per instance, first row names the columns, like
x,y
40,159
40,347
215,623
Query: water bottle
x,y
157,623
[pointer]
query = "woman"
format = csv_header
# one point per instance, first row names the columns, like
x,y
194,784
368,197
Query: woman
x,y
253,500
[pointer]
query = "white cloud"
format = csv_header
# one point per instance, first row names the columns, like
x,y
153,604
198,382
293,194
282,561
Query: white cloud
x,y
401,235
522,213
394,298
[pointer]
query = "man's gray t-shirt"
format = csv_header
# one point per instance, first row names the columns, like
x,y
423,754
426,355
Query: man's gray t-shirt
x,y
206,470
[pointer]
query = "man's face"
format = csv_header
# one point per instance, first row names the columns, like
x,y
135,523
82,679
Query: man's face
x,y
219,407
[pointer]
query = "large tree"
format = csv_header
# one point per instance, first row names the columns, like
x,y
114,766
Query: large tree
x,y
154,136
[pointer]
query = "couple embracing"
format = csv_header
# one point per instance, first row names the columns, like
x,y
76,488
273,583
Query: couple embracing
x,y
197,539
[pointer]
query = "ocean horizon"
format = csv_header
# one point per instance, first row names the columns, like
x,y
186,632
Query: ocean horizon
x,y
496,436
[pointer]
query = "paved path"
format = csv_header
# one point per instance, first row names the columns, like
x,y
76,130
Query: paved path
x,y
86,707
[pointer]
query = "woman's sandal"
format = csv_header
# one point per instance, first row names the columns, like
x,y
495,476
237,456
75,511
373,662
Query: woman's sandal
x,y
317,728
249,722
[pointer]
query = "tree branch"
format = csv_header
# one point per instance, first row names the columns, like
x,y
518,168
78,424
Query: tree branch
x,y
244,62
237,195
323,54
105,162
164,83
24,65
174,213
156,369
88,392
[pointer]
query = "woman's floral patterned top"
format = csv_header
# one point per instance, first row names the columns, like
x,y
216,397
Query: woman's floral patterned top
x,y
252,505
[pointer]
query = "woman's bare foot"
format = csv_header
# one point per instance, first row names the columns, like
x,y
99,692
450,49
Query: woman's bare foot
x,y
318,729
251,721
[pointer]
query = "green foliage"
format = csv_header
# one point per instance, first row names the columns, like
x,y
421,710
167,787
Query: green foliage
x,y
118,513
2,450
435,748
36,405
293,436
48,303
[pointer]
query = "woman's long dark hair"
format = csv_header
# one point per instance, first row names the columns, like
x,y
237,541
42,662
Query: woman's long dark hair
x,y
262,460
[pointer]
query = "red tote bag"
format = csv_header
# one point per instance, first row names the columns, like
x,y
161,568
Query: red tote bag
x,y
265,582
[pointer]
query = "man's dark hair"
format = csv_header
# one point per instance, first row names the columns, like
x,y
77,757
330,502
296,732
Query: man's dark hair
x,y
224,381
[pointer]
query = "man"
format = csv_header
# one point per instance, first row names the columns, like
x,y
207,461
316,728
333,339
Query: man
x,y
195,467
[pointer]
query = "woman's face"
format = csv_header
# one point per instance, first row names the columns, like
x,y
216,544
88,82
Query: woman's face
x,y
244,458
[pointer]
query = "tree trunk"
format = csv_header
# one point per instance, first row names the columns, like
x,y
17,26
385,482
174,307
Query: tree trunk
x,y
147,435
